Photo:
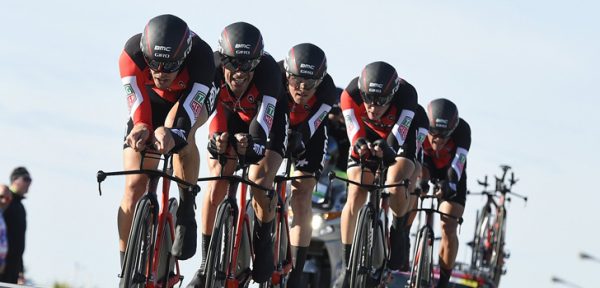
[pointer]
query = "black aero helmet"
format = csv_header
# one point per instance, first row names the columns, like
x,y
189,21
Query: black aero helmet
x,y
443,117
166,42
307,61
241,40
378,82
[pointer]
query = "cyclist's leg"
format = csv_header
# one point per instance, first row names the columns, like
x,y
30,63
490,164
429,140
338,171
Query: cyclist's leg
x,y
186,165
264,212
449,242
301,202
135,186
400,229
399,203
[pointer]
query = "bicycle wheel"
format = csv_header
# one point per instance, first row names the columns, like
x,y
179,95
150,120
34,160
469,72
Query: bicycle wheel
x,y
482,229
166,261
497,261
221,245
139,246
362,243
422,272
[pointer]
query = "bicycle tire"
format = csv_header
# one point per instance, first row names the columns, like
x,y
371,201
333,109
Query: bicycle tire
x,y
478,257
421,275
497,261
362,243
166,261
139,245
221,245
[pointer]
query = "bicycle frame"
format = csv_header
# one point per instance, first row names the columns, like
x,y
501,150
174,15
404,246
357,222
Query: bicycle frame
x,y
283,268
243,220
378,203
161,216
428,231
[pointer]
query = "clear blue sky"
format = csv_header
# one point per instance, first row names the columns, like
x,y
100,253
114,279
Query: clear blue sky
x,y
523,73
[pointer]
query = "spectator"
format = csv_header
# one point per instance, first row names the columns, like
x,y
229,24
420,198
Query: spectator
x,y
16,224
5,198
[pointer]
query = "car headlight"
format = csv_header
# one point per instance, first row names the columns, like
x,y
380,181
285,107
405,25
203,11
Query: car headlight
x,y
316,222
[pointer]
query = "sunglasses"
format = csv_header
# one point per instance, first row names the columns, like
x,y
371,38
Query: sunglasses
x,y
377,100
234,64
26,178
439,133
308,84
166,67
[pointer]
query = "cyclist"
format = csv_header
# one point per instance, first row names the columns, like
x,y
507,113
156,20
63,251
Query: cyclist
x,y
247,112
445,159
310,94
167,72
378,106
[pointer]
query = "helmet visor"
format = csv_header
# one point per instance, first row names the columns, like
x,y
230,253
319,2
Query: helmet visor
x,y
376,99
307,84
234,64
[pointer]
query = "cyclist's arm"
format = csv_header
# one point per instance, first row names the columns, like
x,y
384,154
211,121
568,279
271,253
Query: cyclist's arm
x,y
131,63
403,136
267,78
462,138
351,107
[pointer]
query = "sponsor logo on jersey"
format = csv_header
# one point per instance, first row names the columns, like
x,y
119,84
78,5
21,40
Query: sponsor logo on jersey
x,y
301,163
270,113
259,149
349,124
130,95
462,159
320,119
404,125
250,98
197,103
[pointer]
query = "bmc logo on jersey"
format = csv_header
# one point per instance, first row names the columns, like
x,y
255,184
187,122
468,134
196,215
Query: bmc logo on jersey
x,y
270,113
197,103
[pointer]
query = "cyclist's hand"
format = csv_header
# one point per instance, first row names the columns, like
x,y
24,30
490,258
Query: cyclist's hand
x,y
362,148
163,140
242,142
221,142
445,189
137,137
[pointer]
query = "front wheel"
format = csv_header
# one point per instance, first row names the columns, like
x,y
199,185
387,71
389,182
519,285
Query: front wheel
x,y
497,261
221,245
139,246
362,244
421,273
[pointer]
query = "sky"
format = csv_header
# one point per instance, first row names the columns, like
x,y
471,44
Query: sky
x,y
524,75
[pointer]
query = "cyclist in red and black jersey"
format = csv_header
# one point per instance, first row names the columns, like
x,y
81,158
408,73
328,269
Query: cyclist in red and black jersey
x,y
310,94
379,108
248,113
167,72
445,158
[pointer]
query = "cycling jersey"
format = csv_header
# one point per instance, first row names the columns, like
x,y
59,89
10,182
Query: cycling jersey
x,y
150,105
451,161
311,121
257,112
394,125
